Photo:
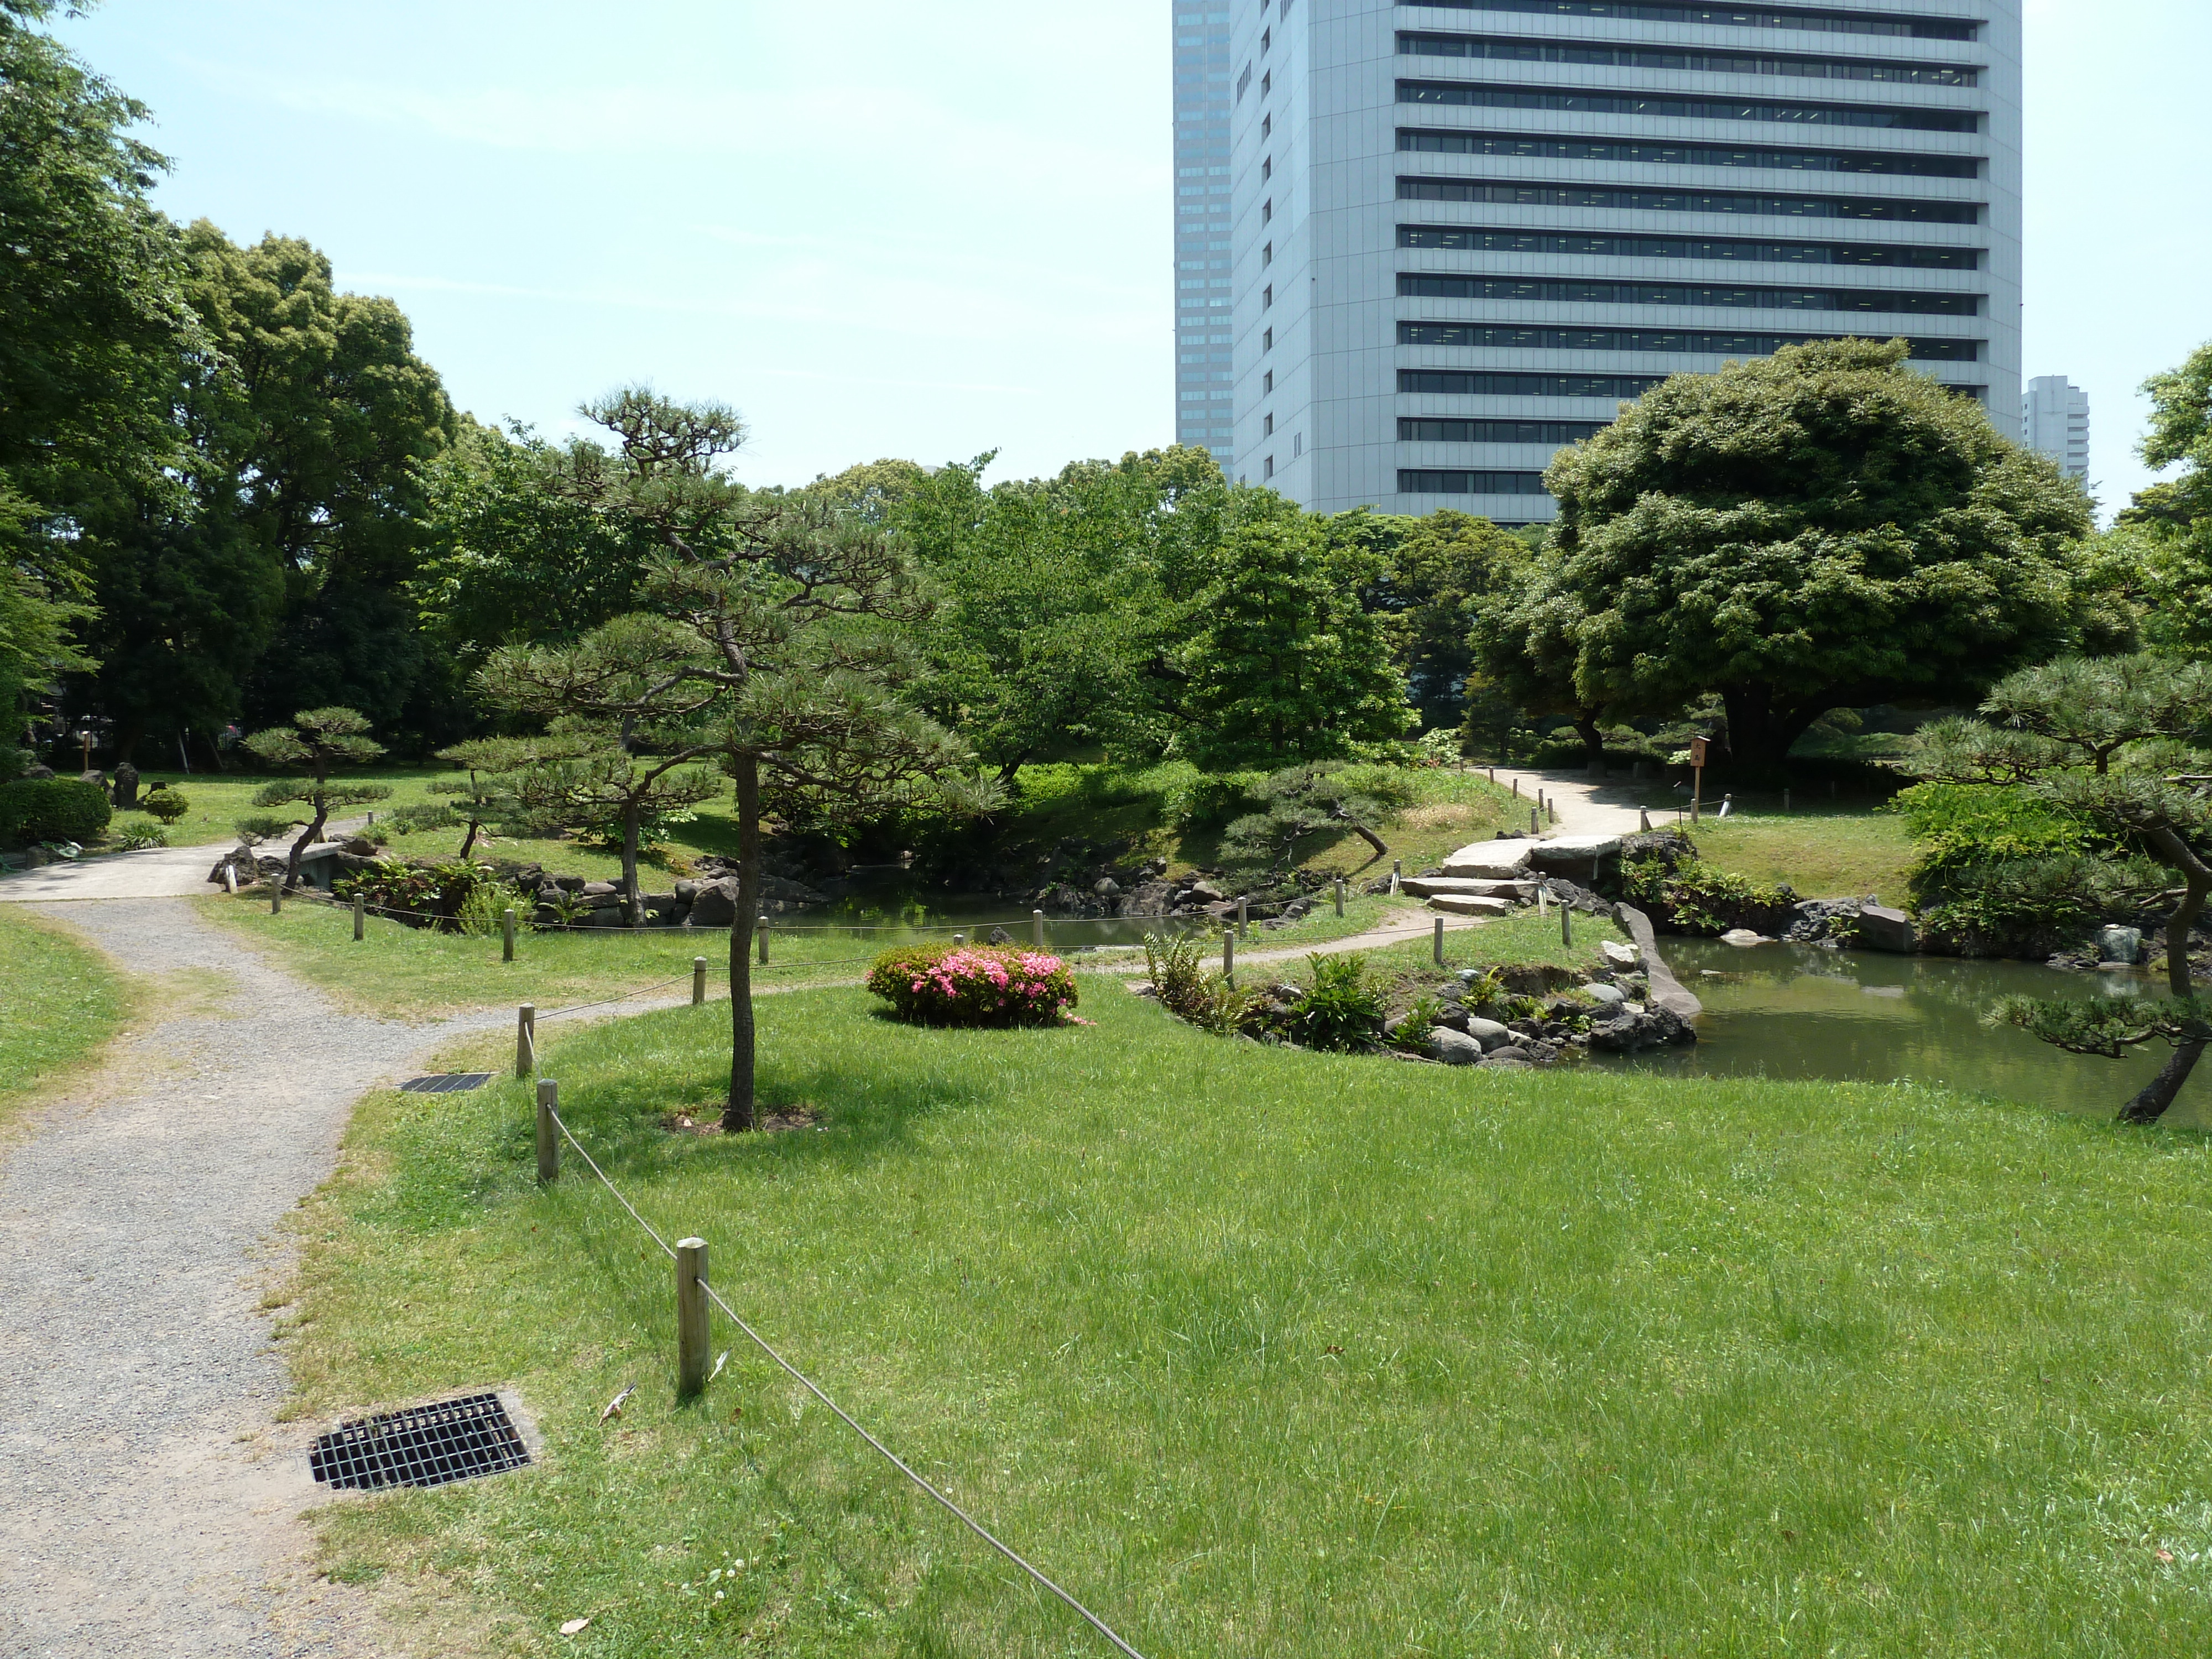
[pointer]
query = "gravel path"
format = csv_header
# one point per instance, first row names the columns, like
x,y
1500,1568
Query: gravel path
x,y
154,872
150,1503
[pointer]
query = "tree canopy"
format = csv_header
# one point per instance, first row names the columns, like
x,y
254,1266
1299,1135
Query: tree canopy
x,y
1822,528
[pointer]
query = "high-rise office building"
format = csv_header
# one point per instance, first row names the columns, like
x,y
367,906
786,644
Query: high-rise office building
x,y
1205,377
1465,231
2055,421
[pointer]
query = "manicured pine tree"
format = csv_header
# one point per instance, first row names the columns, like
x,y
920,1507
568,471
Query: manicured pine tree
x,y
321,740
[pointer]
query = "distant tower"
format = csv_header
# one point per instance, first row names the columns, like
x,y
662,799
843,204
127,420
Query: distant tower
x,y
1204,381
2055,421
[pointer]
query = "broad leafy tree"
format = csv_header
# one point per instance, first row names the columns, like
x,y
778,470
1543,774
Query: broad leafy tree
x,y
319,743
1431,577
2170,521
2121,746
1820,529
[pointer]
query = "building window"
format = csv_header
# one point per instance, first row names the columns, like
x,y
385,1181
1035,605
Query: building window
x,y
1266,125
1267,382
1750,296
1693,201
1266,83
1655,154
1767,17
1297,445
1243,81
1268,467
1454,239
1677,58
1419,430
1268,340
1413,481
1266,210
1267,297
1267,426
1704,342
1267,255
1267,39
1266,169
1686,108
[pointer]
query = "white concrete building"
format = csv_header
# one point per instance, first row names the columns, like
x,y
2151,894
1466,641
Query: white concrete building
x,y
1464,231
2055,421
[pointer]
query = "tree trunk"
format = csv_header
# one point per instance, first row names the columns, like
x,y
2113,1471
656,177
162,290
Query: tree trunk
x,y
312,834
2159,1093
632,903
469,840
740,1112
1585,725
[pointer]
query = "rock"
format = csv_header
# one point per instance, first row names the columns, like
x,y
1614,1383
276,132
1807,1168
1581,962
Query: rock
x,y
1620,955
662,904
714,905
1508,1056
41,771
1491,861
1884,929
1610,996
126,786
1106,887
1506,1063
1466,904
686,891
997,936
1487,1032
1665,990
1534,979
1466,886
1454,1048
1744,936
597,888
1573,855
1205,892
2120,944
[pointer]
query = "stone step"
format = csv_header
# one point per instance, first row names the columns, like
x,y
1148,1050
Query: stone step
x,y
1468,887
1491,861
1468,904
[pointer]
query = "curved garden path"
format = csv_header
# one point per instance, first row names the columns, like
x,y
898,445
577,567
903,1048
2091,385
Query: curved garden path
x,y
151,1497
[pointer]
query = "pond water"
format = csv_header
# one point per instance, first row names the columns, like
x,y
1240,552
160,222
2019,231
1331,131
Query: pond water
x,y
889,919
1794,1011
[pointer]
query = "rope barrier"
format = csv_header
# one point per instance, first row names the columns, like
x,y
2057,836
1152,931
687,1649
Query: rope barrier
x,y
846,1418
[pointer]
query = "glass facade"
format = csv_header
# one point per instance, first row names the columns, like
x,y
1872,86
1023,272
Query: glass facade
x,y
1204,379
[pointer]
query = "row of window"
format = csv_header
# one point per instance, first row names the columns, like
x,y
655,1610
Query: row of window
x,y
1735,18
1702,342
1426,429
1678,106
1703,61
1488,383
1749,297
1687,156
1423,481
1455,239
1693,201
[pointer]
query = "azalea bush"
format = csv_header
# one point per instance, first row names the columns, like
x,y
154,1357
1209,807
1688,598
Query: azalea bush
x,y
974,985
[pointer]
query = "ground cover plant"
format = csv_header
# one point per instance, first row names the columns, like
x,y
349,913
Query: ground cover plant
x,y
1526,1364
972,984
63,1002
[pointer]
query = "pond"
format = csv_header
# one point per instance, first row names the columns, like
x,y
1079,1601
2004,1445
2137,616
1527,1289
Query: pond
x,y
1795,1011
892,920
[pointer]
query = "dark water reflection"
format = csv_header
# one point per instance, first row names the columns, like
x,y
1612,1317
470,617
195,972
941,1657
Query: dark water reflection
x,y
1792,1012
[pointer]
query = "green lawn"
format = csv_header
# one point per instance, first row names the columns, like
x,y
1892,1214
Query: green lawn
x,y
1822,854
62,1002
219,800
1264,1352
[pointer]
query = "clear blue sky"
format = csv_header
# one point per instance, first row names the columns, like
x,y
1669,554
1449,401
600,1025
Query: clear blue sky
x,y
927,231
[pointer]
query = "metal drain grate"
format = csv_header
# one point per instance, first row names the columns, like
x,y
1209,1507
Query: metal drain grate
x,y
445,1082
426,1446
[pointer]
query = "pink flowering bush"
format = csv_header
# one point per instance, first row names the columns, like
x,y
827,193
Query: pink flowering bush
x,y
974,985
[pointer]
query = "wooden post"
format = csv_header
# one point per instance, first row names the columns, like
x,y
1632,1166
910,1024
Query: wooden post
x,y
698,980
276,896
760,932
1243,917
1698,774
1339,895
230,879
1535,829
1552,807
1645,813
1517,789
361,918
1543,909
690,1317
526,1039
506,934
1785,800
1439,951
1566,923
1229,954
958,940
549,1137
1036,929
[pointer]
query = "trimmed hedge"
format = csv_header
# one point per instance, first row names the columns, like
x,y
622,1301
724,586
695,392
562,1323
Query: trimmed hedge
x,y
974,985
53,809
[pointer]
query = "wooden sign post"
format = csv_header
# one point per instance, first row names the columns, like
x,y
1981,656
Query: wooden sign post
x,y
1698,772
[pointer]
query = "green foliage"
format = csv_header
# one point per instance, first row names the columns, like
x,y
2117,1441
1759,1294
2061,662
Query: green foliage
x,y
974,986
429,892
2107,1026
1301,803
1341,1010
1694,898
1426,578
482,909
1423,1015
1175,965
418,815
132,838
263,826
2170,522
2030,905
1825,527
53,809
1283,663
168,803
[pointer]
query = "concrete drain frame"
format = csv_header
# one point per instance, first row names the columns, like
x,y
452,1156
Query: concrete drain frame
x,y
445,1082
435,1445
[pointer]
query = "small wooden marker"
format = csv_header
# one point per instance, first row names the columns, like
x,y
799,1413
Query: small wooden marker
x,y
760,932
698,980
360,918
1644,812
1229,954
1036,929
549,1137
1532,828
276,895
506,934
526,1039
691,1342
1439,950
1339,895
1566,923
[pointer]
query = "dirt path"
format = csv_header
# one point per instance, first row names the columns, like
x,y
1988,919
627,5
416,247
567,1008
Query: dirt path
x,y
150,1500
1587,808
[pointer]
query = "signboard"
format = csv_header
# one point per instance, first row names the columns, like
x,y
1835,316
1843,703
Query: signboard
x,y
1696,752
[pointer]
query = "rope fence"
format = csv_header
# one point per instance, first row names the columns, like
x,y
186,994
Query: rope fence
x,y
694,1289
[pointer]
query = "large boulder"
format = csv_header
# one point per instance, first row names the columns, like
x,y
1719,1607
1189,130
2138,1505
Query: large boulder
x,y
1577,856
714,905
1454,1048
1487,1032
1466,887
1492,860
2121,945
1881,928
1467,904
1667,991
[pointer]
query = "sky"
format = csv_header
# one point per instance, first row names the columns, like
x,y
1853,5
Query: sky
x,y
928,231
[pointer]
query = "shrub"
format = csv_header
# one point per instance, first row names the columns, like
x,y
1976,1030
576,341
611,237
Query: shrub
x,y
1341,1011
1694,898
166,804
483,905
1187,990
53,809
263,826
974,985
131,837
428,891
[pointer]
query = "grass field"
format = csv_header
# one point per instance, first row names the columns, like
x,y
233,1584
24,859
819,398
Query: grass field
x,y
1264,1352
1821,854
62,1002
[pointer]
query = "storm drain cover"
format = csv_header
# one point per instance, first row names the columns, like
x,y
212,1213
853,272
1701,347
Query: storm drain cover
x,y
445,1082
424,1446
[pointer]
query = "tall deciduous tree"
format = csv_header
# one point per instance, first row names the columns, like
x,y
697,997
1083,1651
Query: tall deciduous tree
x,y
794,609
1283,663
2119,744
1431,577
320,741
1823,528
2172,521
